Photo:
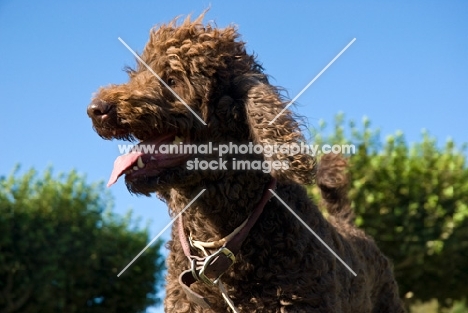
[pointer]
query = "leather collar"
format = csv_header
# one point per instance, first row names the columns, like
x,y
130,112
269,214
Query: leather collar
x,y
209,269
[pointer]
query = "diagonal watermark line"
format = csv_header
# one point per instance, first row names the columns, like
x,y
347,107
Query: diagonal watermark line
x,y
161,80
161,232
312,81
313,233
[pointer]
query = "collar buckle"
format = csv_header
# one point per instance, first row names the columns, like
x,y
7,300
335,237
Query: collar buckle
x,y
201,275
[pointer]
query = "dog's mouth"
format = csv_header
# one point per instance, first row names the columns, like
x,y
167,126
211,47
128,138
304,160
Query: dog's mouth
x,y
149,158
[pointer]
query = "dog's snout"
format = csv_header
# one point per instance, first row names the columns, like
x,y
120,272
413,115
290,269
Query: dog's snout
x,y
99,108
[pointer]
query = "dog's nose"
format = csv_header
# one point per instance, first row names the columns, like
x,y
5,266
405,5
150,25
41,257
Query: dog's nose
x,y
99,109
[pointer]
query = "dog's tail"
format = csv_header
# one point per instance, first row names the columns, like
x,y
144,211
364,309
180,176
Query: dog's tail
x,y
332,179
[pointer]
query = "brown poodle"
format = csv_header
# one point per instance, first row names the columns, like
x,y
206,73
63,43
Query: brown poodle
x,y
237,247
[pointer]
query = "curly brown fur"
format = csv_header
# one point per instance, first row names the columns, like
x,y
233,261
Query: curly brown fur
x,y
333,183
281,266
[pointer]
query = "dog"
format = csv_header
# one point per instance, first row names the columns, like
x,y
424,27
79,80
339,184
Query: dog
x,y
235,245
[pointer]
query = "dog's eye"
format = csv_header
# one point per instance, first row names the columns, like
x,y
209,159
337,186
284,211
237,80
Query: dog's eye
x,y
171,82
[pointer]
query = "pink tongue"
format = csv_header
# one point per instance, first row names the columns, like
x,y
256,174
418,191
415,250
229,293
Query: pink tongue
x,y
121,164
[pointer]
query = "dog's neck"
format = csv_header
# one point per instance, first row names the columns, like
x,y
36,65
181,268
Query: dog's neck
x,y
223,206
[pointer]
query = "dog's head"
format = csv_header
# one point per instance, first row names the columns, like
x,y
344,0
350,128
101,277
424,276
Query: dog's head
x,y
196,84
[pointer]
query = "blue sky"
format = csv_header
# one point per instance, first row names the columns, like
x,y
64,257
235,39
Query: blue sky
x,y
407,70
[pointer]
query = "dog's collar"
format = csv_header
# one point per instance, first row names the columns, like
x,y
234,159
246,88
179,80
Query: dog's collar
x,y
211,267
214,245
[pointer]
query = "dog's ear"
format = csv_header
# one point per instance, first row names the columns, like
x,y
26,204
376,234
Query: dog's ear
x,y
281,139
